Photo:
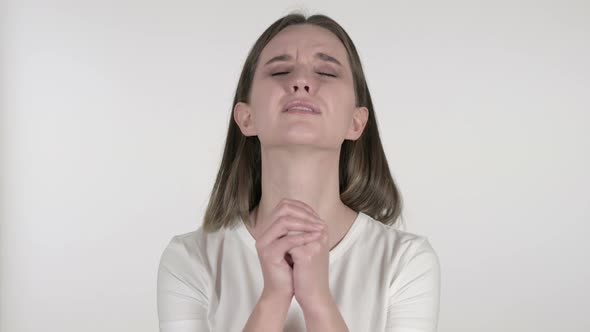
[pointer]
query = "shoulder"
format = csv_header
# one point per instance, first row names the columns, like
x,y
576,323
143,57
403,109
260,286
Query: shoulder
x,y
401,247
179,259
411,277
194,246
411,265
185,253
184,280
184,246
184,267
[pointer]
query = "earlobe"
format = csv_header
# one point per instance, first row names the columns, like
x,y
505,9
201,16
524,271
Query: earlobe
x,y
359,121
243,118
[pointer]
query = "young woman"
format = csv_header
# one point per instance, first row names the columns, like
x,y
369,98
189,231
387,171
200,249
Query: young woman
x,y
300,233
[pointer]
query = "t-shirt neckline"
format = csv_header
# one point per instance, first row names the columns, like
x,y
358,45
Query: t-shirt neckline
x,y
335,253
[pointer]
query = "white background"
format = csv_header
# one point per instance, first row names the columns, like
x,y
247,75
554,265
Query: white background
x,y
114,115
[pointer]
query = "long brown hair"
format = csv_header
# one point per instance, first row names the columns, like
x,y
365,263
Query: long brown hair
x,y
365,180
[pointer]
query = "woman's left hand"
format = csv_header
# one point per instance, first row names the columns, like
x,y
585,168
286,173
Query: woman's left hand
x,y
311,273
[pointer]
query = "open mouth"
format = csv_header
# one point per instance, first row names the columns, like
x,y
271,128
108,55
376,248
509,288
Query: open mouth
x,y
300,110
301,106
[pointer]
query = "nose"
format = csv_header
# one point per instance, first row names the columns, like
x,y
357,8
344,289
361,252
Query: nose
x,y
302,82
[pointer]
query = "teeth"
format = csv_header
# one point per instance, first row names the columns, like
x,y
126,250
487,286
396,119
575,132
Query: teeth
x,y
301,108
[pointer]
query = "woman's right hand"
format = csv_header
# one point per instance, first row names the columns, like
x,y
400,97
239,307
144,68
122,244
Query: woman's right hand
x,y
289,216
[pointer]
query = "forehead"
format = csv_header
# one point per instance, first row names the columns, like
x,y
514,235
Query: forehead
x,y
304,39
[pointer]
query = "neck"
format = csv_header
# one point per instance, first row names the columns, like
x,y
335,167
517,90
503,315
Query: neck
x,y
307,175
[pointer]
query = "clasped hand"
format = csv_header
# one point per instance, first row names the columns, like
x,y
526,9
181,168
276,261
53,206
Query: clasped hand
x,y
294,255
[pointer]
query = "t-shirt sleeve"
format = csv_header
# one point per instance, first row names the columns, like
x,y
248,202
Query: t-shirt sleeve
x,y
183,288
414,294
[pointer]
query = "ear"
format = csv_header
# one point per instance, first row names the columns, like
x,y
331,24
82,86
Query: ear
x,y
243,117
359,121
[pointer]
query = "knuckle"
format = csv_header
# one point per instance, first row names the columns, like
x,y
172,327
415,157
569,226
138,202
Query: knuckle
x,y
265,254
291,221
291,208
281,219
315,246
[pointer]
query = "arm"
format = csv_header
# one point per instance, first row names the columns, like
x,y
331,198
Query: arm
x,y
269,315
182,289
415,292
325,317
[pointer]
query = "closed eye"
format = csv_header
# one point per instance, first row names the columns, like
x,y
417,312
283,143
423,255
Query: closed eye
x,y
280,73
286,72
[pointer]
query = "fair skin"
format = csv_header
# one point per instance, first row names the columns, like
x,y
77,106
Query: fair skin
x,y
300,158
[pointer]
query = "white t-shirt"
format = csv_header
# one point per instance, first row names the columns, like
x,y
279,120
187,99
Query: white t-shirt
x,y
382,279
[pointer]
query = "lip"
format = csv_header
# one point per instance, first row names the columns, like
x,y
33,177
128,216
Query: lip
x,y
301,102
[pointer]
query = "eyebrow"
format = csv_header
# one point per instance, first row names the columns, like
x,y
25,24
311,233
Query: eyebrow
x,y
319,55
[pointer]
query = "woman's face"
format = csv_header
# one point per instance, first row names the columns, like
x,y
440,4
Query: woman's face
x,y
314,66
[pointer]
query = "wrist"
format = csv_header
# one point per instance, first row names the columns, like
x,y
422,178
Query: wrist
x,y
324,315
269,314
275,300
319,307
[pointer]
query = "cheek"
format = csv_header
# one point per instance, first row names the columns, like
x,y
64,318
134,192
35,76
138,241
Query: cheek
x,y
264,92
265,102
342,99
